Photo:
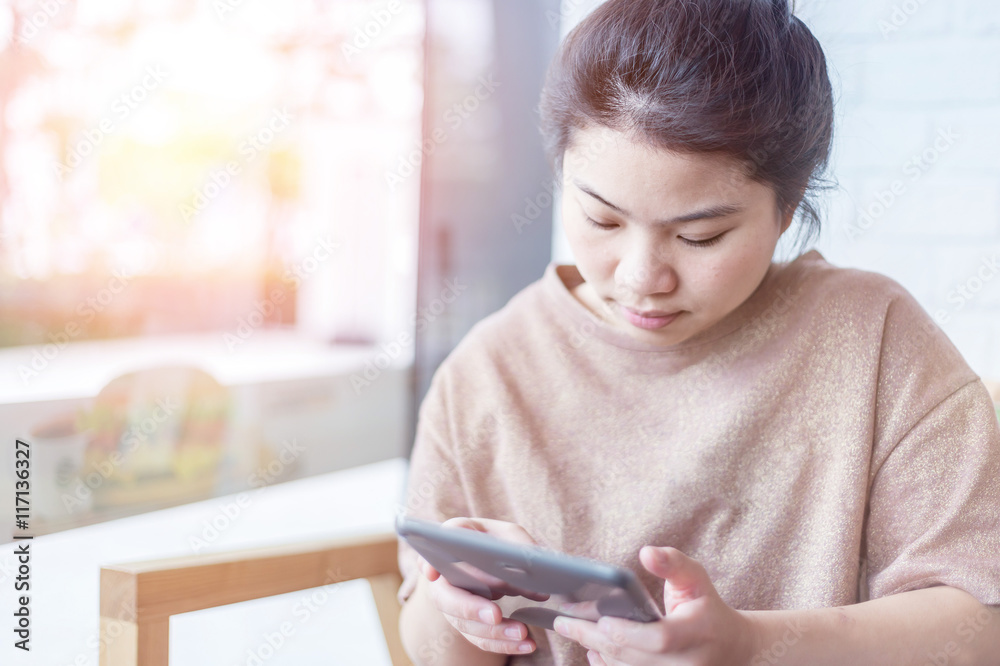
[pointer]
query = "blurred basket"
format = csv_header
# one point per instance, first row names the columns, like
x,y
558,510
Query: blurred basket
x,y
156,438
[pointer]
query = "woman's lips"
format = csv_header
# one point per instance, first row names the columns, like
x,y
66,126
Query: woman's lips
x,y
650,319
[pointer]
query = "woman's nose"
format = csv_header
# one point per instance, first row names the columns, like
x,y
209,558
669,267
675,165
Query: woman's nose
x,y
644,272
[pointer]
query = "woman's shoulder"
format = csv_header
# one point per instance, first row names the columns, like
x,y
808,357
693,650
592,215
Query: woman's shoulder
x,y
813,269
884,319
850,293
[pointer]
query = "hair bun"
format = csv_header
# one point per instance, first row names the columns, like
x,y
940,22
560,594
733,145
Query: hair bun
x,y
784,9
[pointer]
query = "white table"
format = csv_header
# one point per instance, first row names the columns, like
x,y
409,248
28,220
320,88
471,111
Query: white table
x,y
339,626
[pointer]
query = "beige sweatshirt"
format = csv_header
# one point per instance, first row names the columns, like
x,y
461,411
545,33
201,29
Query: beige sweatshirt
x,y
823,444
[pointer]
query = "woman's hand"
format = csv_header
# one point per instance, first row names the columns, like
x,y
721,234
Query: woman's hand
x,y
699,628
478,619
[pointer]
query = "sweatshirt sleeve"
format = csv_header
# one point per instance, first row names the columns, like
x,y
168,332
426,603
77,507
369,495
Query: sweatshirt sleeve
x,y
935,504
934,493
433,490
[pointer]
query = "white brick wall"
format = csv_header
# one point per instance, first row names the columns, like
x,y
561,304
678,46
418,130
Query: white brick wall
x,y
936,71
907,74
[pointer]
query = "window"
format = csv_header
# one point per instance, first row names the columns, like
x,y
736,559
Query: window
x,y
170,167
183,177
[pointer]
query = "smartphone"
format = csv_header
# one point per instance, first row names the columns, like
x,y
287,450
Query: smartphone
x,y
561,584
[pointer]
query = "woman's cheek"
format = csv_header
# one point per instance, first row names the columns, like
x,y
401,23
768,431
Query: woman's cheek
x,y
583,242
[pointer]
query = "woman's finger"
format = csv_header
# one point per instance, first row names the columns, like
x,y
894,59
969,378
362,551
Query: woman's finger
x,y
502,529
506,531
480,620
459,603
508,631
499,587
595,659
427,569
624,640
685,579
585,610
660,637
501,647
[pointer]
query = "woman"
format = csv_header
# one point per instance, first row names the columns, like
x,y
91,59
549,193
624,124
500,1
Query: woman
x,y
792,457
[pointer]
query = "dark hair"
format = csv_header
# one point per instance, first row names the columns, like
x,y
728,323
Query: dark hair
x,y
744,78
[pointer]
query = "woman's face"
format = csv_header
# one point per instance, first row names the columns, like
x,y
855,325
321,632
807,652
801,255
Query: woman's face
x,y
683,239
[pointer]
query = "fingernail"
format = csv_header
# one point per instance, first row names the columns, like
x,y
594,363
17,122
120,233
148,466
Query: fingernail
x,y
559,625
512,632
486,615
524,647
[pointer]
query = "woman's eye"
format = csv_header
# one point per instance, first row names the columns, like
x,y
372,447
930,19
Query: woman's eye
x,y
599,225
703,243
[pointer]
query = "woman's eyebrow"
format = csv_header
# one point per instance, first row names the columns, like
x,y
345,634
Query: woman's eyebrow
x,y
718,210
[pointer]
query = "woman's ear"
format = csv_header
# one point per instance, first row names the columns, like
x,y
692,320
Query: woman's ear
x,y
786,219
788,215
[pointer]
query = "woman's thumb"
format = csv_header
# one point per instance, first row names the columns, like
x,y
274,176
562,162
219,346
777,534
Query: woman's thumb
x,y
685,579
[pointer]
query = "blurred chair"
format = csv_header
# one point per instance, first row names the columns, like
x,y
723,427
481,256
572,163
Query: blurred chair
x,y
137,599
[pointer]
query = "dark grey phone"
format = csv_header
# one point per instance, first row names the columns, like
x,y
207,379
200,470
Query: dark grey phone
x,y
492,568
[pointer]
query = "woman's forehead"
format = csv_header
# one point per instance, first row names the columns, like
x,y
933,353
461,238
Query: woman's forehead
x,y
622,166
